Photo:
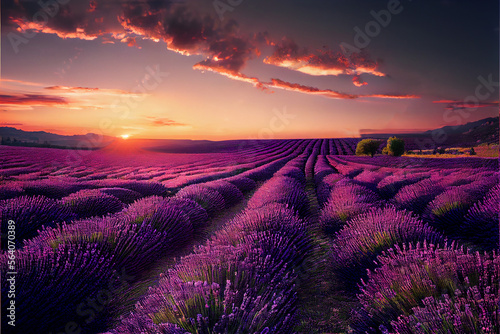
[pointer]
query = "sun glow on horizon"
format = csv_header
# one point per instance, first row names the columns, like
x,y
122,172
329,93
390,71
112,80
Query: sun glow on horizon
x,y
126,136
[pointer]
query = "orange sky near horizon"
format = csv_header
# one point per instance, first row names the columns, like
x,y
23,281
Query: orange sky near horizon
x,y
183,71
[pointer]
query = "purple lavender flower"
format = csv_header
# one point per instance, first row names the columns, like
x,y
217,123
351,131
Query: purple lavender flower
x,y
212,293
52,188
229,191
446,212
366,236
210,200
10,190
471,311
481,221
408,275
244,184
390,185
415,197
147,188
370,178
91,202
127,196
292,172
31,214
196,214
322,169
346,201
324,188
51,285
281,189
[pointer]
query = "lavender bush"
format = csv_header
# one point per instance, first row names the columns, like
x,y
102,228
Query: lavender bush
x,y
54,287
141,209
147,188
390,185
410,274
51,188
346,201
415,197
229,191
126,196
471,311
91,202
31,213
196,214
446,212
131,246
292,172
10,190
322,169
366,236
244,184
209,199
242,281
324,188
281,189
247,295
370,178
481,224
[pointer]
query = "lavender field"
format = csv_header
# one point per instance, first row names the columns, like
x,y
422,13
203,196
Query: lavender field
x,y
283,236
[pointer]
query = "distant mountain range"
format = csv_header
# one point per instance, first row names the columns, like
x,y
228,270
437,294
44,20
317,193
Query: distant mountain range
x,y
467,135
13,136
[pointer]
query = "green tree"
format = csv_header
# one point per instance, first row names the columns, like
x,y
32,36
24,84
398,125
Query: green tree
x,y
395,147
367,147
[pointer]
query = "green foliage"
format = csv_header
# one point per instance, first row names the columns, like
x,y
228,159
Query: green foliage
x,y
440,150
395,147
367,147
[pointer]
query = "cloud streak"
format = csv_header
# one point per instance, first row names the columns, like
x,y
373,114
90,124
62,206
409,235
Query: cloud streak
x,y
321,62
454,105
226,49
277,83
27,101
162,121
92,90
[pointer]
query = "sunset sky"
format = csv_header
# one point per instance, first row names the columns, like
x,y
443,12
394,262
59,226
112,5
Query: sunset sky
x,y
229,69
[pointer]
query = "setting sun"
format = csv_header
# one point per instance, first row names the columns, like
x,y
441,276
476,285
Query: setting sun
x,y
125,136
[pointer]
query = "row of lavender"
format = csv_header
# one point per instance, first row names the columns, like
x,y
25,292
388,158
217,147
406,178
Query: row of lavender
x,y
244,279
460,202
81,272
48,202
40,177
409,277
28,164
173,170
